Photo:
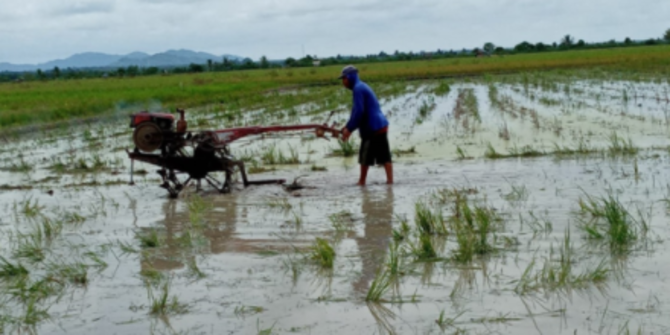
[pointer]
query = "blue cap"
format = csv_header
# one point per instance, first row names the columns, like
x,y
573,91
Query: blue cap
x,y
348,70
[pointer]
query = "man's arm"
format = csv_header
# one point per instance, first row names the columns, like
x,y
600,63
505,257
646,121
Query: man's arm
x,y
357,112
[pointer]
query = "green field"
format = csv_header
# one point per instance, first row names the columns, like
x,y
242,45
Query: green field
x,y
53,101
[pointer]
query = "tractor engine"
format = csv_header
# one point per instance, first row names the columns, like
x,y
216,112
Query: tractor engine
x,y
154,130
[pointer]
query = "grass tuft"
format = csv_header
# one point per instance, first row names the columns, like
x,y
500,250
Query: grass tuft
x,y
322,253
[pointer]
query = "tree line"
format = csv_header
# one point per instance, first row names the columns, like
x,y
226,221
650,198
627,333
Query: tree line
x,y
567,42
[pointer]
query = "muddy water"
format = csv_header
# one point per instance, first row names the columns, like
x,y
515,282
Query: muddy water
x,y
239,265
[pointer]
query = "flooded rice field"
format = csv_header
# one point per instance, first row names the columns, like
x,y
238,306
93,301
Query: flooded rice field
x,y
529,204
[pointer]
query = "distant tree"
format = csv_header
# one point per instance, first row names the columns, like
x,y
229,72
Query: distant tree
x,y
133,70
264,64
627,41
56,72
567,41
227,64
150,70
382,54
290,62
210,65
581,44
121,71
499,51
540,46
650,41
489,47
667,35
524,47
195,68
306,61
248,63
40,74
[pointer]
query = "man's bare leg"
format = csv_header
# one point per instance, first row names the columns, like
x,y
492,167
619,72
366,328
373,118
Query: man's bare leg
x,y
388,167
364,175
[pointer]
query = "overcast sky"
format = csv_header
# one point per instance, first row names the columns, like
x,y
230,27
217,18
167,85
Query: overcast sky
x,y
34,31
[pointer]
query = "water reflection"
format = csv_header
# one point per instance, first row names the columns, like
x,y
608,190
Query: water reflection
x,y
377,210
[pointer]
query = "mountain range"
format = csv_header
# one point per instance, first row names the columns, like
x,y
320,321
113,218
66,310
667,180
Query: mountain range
x,y
101,60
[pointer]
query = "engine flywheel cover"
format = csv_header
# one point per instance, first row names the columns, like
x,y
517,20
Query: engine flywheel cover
x,y
148,137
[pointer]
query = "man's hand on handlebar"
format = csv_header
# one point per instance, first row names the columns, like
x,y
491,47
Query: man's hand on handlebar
x,y
345,134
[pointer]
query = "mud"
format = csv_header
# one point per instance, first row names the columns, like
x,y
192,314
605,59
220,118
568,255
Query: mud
x,y
238,263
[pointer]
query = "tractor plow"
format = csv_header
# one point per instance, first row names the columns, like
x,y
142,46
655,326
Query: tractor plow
x,y
198,154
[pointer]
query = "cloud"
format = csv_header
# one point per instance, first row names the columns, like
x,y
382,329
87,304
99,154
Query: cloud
x,y
84,7
282,28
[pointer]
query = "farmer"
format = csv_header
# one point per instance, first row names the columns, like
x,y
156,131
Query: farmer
x,y
367,117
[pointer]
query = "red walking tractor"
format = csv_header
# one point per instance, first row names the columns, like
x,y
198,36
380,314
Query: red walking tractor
x,y
160,142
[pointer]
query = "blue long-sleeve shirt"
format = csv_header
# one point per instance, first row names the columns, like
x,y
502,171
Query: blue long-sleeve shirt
x,y
366,115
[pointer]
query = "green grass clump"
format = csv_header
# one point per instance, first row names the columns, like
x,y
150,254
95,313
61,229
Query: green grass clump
x,y
345,149
423,249
9,270
557,273
609,221
378,287
442,88
322,253
473,227
162,304
621,147
149,239
429,222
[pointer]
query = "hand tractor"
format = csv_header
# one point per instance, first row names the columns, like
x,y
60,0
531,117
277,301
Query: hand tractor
x,y
175,150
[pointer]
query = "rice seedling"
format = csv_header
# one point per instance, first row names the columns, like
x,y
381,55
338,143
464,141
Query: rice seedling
x,y
266,331
280,204
297,219
22,166
517,194
461,153
402,232
425,108
423,248
197,208
24,289
274,156
75,273
620,147
28,208
428,222
610,222
151,275
162,304
342,222
322,253
316,168
491,152
345,148
442,88
379,286
31,246
34,313
558,274
403,152
524,152
445,322
149,239
194,270
10,270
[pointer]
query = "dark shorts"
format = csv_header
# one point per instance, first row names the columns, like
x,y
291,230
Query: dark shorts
x,y
375,150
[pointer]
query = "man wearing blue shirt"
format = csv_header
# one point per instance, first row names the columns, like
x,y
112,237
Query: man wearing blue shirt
x,y
367,117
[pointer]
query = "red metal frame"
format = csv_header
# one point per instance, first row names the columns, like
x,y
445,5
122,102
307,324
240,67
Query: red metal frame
x,y
226,136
